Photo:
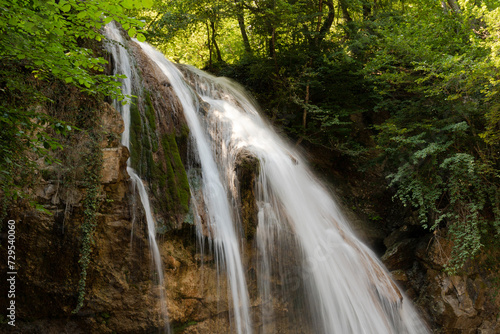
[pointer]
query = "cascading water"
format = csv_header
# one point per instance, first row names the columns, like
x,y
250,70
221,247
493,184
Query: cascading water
x,y
124,65
309,263
336,283
345,288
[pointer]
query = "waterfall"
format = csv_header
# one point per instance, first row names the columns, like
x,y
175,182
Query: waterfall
x,y
125,66
312,274
336,285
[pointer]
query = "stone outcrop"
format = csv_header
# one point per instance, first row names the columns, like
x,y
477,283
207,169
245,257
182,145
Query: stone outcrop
x,y
464,303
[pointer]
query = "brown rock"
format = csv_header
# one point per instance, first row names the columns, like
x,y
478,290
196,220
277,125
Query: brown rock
x,y
401,255
112,125
399,275
247,170
113,165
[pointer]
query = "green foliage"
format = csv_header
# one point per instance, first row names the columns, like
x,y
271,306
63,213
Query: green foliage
x,y
193,31
46,37
436,75
45,42
27,134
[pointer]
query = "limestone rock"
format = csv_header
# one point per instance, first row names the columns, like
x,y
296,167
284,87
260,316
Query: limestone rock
x,y
114,163
456,304
112,125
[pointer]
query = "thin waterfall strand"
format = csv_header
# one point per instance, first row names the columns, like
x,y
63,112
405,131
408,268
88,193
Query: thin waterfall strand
x,y
124,65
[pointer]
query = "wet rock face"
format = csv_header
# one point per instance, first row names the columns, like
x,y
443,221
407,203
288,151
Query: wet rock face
x,y
460,304
48,249
114,159
114,155
247,168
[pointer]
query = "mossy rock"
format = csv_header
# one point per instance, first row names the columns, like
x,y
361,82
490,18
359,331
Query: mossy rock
x,y
247,171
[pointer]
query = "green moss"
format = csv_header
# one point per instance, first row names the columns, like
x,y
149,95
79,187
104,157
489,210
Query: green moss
x,y
181,327
143,138
135,134
149,110
178,185
184,131
171,193
181,176
182,142
168,180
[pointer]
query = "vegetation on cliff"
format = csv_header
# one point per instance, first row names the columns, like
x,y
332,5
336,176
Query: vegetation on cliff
x,y
46,42
420,76
53,81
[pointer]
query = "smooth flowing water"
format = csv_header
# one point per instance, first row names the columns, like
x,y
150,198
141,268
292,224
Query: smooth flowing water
x,y
336,284
123,64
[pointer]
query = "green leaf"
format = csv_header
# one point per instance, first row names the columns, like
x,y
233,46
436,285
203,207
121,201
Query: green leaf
x,y
66,8
128,4
141,37
147,3
81,15
132,32
40,208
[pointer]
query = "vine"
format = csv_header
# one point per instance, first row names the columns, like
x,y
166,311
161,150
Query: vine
x,y
91,204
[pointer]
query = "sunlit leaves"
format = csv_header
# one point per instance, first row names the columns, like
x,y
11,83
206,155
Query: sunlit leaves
x,y
141,37
132,32
42,32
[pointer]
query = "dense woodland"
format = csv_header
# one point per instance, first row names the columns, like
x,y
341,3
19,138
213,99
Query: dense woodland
x,y
423,76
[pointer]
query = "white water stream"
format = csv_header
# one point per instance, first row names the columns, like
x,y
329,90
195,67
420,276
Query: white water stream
x,y
124,65
345,288
336,284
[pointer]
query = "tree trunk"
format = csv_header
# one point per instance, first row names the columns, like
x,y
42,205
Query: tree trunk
x,y
454,5
345,12
327,24
241,22
304,115
320,17
209,46
214,42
